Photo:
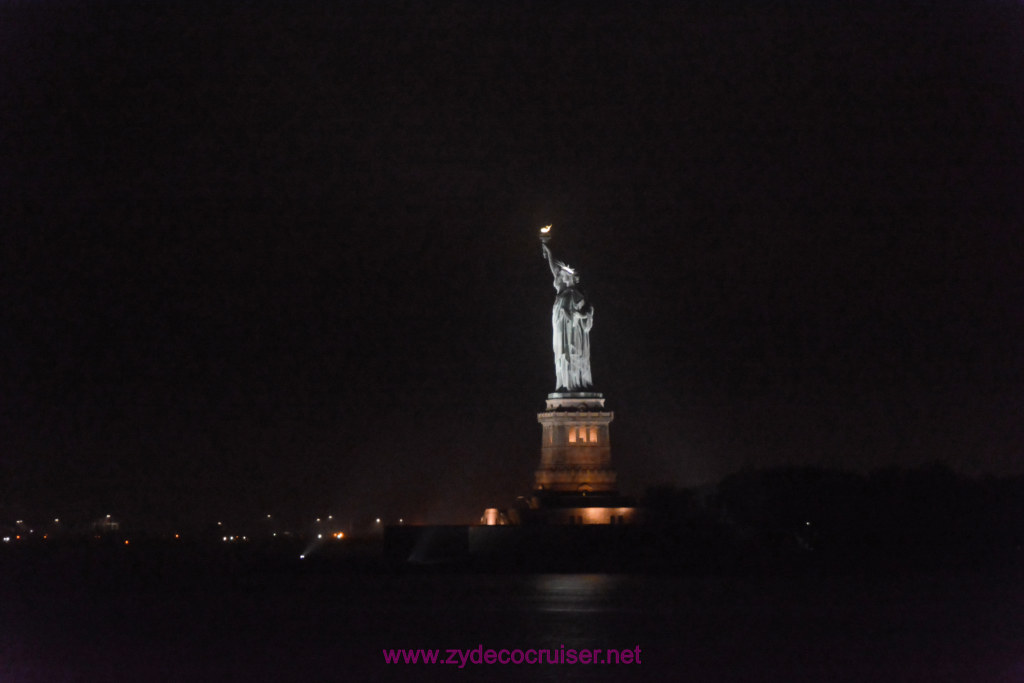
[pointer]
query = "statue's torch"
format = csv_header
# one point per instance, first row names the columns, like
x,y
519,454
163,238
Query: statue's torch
x,y
545,234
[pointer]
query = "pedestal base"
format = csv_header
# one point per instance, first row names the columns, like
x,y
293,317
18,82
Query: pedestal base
x,y
575,454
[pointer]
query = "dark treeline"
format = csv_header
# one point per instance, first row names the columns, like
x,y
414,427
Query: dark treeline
x,y
834,520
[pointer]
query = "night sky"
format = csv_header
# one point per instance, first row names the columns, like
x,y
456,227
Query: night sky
x,y
283,257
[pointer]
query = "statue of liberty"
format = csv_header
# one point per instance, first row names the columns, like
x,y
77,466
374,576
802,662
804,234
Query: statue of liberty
x,y
571,320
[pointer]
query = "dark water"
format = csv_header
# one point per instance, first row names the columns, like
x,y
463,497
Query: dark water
x,y
103,619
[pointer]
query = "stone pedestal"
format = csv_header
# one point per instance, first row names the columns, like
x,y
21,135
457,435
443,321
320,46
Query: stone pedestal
x,y
575,453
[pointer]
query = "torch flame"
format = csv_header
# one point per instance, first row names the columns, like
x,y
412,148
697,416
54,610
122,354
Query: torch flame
x,y
546,229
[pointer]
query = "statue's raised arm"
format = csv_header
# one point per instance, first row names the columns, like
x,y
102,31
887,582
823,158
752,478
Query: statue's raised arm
x,y
550,259
572,318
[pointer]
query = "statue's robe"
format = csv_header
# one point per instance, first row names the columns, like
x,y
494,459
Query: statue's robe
x,y
571,320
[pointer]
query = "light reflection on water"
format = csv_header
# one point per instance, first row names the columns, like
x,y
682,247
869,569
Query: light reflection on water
x,y
579,593
577,611
321,623
550,611
705,628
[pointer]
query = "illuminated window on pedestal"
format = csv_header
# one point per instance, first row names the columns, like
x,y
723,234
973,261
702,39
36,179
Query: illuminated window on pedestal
x,y
582,434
